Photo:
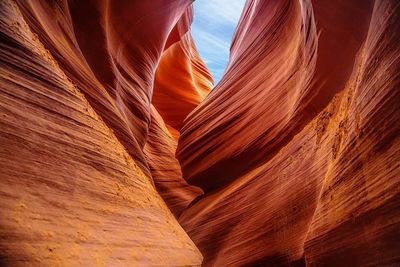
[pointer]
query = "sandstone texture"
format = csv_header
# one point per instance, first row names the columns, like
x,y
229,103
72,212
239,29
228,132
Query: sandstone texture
x,y
298,147
77,128
116,150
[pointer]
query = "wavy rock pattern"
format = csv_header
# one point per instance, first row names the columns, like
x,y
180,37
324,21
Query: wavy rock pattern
x,y
117,74
297,148
76,187
166,171
182,80
292,160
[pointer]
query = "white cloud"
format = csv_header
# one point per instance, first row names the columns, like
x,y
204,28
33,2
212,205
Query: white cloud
x,y
213,40
220,11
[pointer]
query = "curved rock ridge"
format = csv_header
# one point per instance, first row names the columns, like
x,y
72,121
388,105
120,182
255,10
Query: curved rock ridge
x,y
165,169
116,70
293,159
116,74
76,186
182,80
244,118
297,148
269,92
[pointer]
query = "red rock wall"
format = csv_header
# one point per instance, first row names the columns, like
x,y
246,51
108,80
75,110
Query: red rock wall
x,y
359,200
116,70
292,160
165,169
297,148
77,130
181,82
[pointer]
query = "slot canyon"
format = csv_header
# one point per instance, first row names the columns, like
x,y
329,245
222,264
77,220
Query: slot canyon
x,y
117,148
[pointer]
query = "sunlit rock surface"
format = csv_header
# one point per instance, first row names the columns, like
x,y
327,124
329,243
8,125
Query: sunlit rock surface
x,y
297,148
182,80
116,71
75,187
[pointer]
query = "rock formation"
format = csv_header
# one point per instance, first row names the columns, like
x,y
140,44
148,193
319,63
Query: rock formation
x,y
115,151
297,148
81,145
182,80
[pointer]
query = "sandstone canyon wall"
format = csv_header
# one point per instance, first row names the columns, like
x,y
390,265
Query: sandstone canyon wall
x,y
116,152
297,148
81,144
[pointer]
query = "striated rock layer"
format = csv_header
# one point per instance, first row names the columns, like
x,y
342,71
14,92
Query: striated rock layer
x,y
115,70
160,151
292,160
81,144
298,147
182,80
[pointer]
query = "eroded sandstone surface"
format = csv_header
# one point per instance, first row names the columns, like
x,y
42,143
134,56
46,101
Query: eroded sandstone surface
x,y
114,150
80,138
298,147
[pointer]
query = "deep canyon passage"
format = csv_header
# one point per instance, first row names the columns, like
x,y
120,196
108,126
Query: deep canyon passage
x,y
116,149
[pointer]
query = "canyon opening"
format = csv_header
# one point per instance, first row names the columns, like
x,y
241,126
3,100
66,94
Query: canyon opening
x,y
206,133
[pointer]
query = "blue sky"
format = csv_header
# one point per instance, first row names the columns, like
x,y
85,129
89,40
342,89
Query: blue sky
x,y
212,29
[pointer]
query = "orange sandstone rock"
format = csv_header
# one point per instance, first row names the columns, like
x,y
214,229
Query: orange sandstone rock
x,y
115,70
297,148
292,160
165,168
75,188
182,80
